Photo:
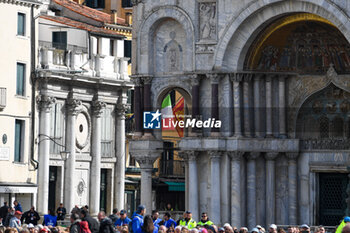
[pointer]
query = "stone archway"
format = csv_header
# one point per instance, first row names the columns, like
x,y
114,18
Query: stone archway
x,y
243,30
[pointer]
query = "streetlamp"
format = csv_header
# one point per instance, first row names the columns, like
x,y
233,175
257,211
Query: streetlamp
x,y
65,155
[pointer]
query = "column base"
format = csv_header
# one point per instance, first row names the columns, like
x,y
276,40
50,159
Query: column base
x,y
215,134
238,136
269,136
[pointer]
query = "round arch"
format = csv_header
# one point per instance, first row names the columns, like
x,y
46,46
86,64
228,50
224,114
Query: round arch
x,y
242,31
148,27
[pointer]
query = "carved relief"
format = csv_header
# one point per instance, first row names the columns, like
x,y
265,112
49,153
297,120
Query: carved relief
x,y
173,52
207,20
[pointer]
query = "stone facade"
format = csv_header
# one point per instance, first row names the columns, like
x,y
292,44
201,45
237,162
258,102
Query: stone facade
x,y
258,169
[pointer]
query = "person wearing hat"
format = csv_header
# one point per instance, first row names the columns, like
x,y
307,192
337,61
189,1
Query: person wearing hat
x,y
255,230
16,220
205,220
304,228
18,206
123,220
342,224
273,228
137,220
188,221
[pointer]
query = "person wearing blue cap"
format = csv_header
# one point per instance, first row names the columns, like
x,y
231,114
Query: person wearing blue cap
x,y
137,220
123,220
342,224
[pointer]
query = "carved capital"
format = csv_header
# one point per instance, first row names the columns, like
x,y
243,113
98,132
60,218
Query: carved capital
x,y
73,106
147,80
252,155
236,77
45,102
136,2
137,81
282,78
269,77
120,110
97,107
214,78
195,79
248,77
292,155
271,155
236,155
191,155
215,155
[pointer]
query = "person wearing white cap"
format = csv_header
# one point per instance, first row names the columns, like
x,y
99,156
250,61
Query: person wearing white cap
x,y
255,230
273,228
304,228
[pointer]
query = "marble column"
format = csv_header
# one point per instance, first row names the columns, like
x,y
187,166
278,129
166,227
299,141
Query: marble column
x,y
119,171
195,80
260,194
236,157
304,184
246,104
44,103
270,187
193,197
225,187
292,187
282,106
251,189
236,79
214,80
138,116
95,175
281,180
215,202
73,107
257,106
146,167
147,105
268,83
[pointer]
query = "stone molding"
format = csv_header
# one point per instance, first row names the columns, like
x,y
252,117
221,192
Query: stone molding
x,y
247,77
252,155
236,155
45,102
97,107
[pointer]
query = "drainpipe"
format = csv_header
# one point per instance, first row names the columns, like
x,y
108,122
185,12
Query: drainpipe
x,y
34,162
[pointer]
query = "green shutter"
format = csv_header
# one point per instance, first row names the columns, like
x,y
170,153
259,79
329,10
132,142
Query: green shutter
x,y
18,140
20,79
20,24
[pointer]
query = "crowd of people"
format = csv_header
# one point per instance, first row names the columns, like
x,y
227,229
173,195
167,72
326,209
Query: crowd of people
x,y
13,220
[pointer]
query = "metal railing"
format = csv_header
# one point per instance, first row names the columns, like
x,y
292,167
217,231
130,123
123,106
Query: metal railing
x,y
172,168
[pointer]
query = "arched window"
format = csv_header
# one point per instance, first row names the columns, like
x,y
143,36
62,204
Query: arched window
x,y
337,129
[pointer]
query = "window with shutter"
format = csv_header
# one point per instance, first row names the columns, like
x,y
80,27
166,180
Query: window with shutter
x,y
20,82
19,127
106,133
21,22
57,131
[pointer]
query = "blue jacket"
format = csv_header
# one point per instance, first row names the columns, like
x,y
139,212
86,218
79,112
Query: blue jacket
x,y
170,223
157,221
137,222
18,207
50,220
120,222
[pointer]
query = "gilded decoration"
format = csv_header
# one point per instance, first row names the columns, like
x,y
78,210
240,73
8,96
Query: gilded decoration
x,y
302,43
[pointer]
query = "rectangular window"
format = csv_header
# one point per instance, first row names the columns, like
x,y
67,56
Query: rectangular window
x,y
111,47
20,84
126,3
21,24
59,40
127,49
95,3
19,127
106,133
57,128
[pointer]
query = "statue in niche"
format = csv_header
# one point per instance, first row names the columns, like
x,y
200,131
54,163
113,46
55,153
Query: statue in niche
x,y
173,53
207,20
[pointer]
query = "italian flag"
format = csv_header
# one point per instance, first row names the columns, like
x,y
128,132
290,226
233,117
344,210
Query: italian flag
x,y
167,114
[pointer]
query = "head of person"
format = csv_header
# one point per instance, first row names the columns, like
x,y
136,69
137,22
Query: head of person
x,y
15,202
290,229
221,230
18,214
122,214
162,229
346,228
31,228
141,210
101,215
188,215
273,228
83,213
168,206
115,211
148,225
304,228
211,229
61,205
124,229
204,217
166,216
255,230
74,217
178,229
155,214
243,230
24,230
170,230
229,229
184,229
11,230
281,230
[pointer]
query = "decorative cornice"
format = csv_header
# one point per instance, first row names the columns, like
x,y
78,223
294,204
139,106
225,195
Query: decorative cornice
x,y
195,79
252,155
